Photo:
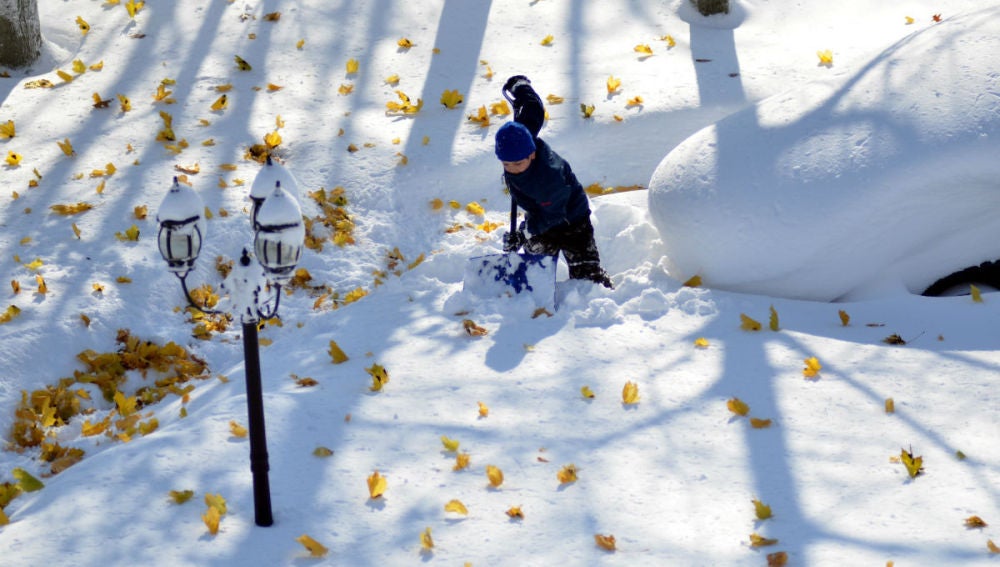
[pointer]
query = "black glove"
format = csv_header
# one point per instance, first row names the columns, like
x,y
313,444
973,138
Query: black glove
x,y
512,241
514,82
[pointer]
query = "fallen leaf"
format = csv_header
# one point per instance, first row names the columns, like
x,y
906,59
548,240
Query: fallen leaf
x,y
587,392
812,367
457,507
975,522
914,465
778,559
376,485
426,542
181,496
495,476
845,319
605,542
316,549
473,329
738,406
761,511
449,444
630,393
748,323
757,540
567,474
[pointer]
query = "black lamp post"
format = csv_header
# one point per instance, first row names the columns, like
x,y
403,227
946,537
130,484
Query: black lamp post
x,y
278,240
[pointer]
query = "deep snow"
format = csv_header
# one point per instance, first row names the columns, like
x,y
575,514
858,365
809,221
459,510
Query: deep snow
x,y
671,477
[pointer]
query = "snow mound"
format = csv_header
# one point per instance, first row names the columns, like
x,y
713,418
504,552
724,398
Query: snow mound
x,y
764,201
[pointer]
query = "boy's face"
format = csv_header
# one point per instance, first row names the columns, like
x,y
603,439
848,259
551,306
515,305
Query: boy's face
x,y
519,166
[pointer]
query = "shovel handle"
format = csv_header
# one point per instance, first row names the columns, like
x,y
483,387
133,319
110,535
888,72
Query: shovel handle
x,y
513,215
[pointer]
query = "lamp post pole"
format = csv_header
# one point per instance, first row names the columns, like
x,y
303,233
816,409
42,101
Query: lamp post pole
x,y
278,241
258,438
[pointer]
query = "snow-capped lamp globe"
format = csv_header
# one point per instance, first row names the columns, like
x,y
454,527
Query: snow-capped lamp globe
x,y
182,228
279,234
263,184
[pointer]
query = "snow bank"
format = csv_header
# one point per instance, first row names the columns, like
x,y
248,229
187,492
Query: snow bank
x,y
764,201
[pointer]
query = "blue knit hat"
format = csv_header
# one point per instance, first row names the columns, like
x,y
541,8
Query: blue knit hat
x,y
514,142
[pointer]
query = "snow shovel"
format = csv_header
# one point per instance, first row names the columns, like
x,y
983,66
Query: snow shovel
x,y
513,274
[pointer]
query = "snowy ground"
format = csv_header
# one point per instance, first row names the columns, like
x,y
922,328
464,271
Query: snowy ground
x,y
672,477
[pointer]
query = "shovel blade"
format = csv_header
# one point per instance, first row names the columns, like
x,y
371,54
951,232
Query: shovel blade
x,y
507,275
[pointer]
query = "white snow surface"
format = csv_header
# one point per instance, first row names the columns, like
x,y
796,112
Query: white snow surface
x,y
671,477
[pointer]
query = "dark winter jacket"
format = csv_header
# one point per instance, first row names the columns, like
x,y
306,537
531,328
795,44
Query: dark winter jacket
x,y
548,191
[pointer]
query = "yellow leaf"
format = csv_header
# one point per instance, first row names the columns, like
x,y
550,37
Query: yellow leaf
x,y
451,99
352,66
671,42
336,353
554,99
7,129
825,57
738,406
457,507
613,85
131,234
316,549
484,410
392,80
634,101
475,209
914,465
992,546
97,66
587,110
693,281
812,367
481,117
890,405
237,430
79,67
242,64
500,108
211,517
761,510
643,49
977,296
217,502
494,475
461,461
773,321
220,103
515,513
380,376
83,25
181,496
404,43
748,324
426,542
605,542
845,319
25,481
273,140
780,559
975,522
133,7
757,540
758,423
701,342
66,147
587,392
547,40
630,393
567,474
322,452
64,75
10,313
124,103
4,520
449,444
13,159
376,485
345,89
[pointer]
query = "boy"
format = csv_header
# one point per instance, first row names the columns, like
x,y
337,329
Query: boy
x,y
557,210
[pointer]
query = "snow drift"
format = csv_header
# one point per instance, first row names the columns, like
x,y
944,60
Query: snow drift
x,y
758,202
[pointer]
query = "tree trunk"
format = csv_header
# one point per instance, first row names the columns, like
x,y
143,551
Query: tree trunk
x,y
709,7
20,33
